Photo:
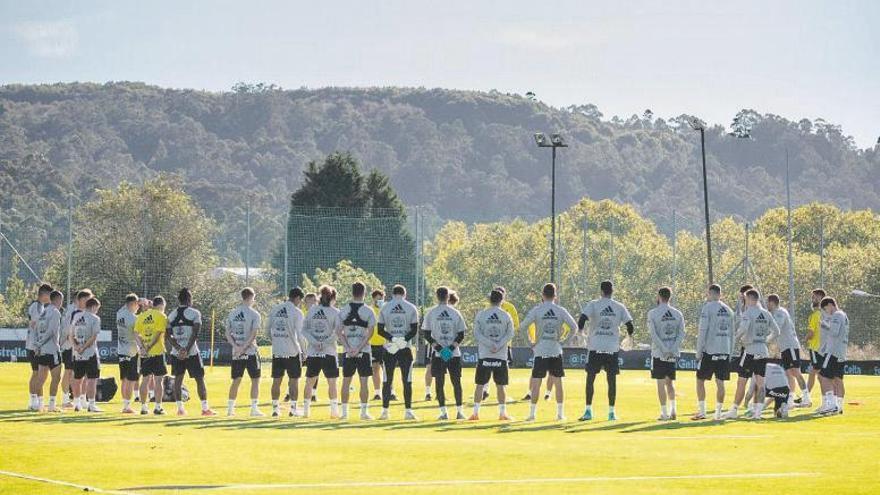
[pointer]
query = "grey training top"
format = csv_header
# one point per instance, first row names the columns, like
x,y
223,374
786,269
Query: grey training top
x,y
493,327
716,331
666,325
548,318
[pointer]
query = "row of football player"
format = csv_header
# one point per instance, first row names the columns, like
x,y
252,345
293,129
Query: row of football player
x,y
142,347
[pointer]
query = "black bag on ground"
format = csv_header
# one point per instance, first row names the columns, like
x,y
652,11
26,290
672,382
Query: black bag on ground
x,y
106,389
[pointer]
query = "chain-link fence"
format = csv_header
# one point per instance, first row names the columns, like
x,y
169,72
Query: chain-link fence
x,y
150,252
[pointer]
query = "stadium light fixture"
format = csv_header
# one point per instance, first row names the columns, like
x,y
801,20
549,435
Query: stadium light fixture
x,y
554,141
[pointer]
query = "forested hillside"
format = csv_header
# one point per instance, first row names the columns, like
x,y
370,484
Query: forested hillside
x,y
468,155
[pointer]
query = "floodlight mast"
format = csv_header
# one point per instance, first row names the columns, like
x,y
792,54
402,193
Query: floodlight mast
x,y
697,125
554,141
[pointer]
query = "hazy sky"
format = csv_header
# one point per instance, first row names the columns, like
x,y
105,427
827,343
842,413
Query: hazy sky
x,y
803,58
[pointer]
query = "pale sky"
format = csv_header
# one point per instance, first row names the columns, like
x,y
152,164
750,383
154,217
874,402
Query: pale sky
x,y
804,58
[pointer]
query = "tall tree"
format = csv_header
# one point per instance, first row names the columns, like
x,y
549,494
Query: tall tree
x,y
338,214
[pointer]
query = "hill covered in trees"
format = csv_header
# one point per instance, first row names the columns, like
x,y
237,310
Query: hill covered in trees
x,y
469,155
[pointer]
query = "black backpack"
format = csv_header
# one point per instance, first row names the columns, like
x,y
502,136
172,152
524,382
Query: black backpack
x,y
106,389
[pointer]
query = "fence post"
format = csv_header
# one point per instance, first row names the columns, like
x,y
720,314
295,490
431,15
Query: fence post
x,y
674,251
247,246
611,233
286,253
586,259
821,252
2,280
69,246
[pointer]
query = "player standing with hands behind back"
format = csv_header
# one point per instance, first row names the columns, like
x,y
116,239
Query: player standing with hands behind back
x,y
548,318
399,324
666,325
242,326
605,316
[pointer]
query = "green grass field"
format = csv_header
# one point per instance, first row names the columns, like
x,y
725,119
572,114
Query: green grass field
x,y
113,453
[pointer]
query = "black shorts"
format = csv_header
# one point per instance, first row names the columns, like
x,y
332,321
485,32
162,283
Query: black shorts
x,y
129,368
816,360
378,353
88,368
326,364
440,367
780,396
154,365
192,365
32,359
543,365
714,364
753,365
736,365
495,368
597,361
50,361
429,354
250,363
661,369
290,365
67,359
362,364
831,367
791,358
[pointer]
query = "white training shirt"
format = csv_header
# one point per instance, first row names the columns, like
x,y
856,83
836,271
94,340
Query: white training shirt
x,y
48,332
666,325
181,333
605,316
86,326
716,333
548,318
398,315
774,377
285,329
126,345
35,311
493,327
319,329
838,336
757,328
444,323
242,322
788,338
355,335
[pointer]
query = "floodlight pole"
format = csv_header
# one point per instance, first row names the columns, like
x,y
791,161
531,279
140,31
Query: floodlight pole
x,y
706,205
554,142
553,217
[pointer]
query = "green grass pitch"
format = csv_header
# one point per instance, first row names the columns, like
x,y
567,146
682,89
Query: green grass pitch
x,y
112,453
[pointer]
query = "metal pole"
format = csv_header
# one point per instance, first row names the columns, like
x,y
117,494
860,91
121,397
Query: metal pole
x,y
69,246
611,232
2,281
585,260
553,218
286,253
822,252
674,253
706,206
792,307
247,247
417,281
747,264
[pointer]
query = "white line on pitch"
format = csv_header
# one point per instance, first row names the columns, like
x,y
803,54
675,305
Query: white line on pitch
x,y
63,483
375,484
